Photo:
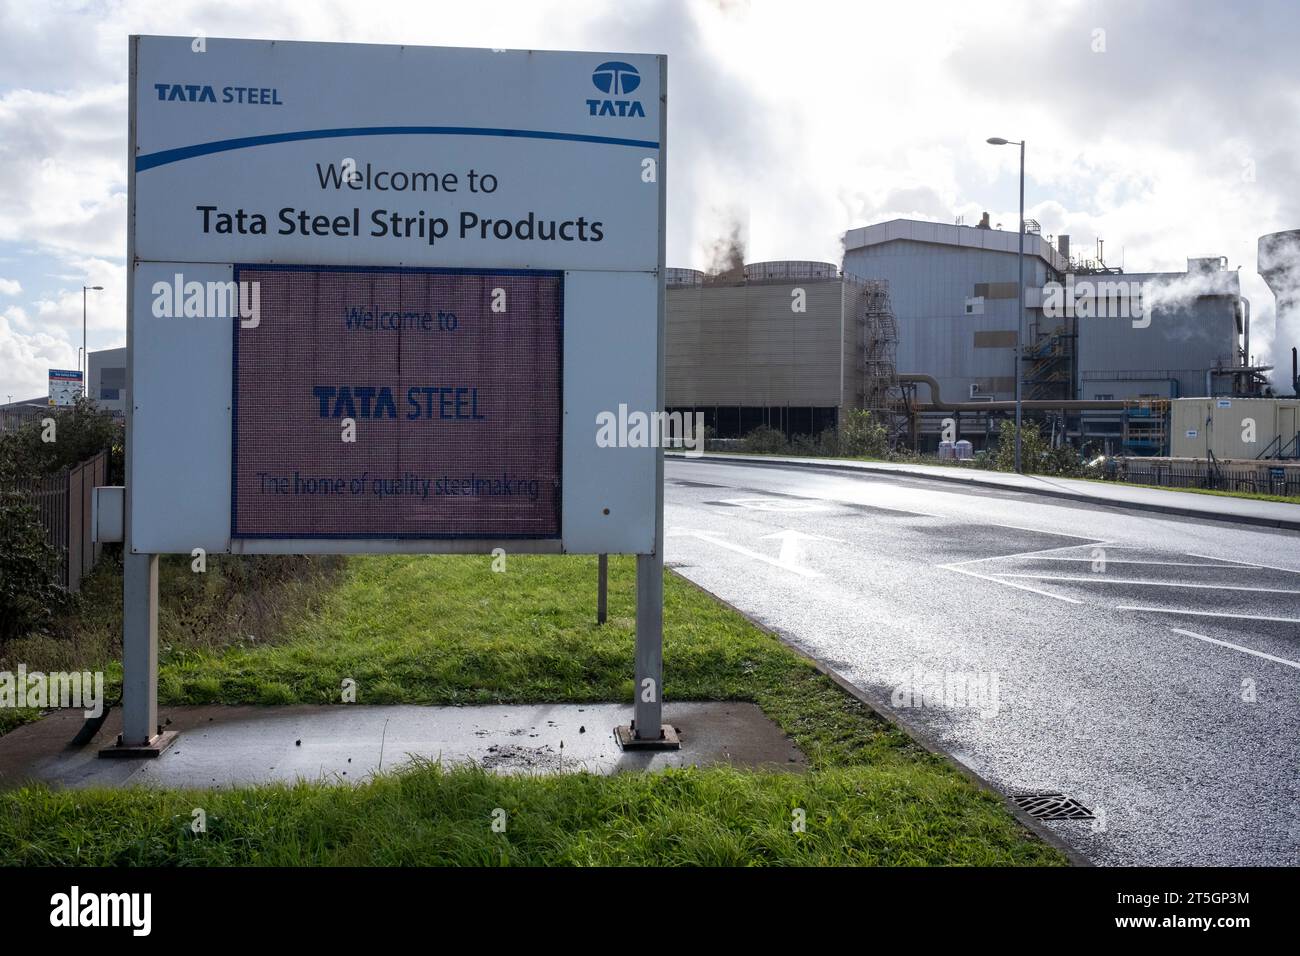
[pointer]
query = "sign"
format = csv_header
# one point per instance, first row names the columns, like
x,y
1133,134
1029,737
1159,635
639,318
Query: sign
x,y
65,386
381,295
1224,403
1192,433
457,408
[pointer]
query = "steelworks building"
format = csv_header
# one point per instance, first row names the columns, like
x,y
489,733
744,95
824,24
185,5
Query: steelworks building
x,y
921,324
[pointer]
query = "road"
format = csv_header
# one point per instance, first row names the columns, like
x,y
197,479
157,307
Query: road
x,y
1147,667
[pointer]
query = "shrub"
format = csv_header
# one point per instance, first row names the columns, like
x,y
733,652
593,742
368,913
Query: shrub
x,y
29,590
1037,457
863,436
765,441
81,432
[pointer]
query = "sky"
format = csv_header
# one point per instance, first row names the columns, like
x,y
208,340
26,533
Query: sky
x,y
1167,129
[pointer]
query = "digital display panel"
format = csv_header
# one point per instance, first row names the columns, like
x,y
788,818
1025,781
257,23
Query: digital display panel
x,y
396,403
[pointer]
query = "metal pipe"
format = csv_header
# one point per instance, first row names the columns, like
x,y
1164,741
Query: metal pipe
x,y
1245,322
937,403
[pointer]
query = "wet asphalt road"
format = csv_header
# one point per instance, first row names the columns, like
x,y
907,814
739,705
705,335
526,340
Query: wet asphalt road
x,y
1146,666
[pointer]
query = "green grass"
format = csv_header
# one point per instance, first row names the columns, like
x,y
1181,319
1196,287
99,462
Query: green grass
x,y
449,630
234,602
427,815
1255,496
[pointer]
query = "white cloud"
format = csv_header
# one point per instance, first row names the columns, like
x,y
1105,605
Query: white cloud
x,y
28,356
10,286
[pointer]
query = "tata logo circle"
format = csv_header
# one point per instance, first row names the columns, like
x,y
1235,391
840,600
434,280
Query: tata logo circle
x,y
615,79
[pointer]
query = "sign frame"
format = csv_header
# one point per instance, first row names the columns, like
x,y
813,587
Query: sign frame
x,y
143,736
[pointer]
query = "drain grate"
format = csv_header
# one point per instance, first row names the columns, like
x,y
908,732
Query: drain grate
x,y
1052,806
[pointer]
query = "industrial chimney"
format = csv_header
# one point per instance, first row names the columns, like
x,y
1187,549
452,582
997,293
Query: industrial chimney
x,y
1279,265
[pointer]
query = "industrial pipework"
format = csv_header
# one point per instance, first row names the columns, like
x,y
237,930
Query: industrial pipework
x,y
937,404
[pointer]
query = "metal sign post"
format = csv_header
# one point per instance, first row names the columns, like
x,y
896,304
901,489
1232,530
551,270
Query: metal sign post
x,y
647,730
602,588
141,735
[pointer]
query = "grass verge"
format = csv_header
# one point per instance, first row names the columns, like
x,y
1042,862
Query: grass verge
x,y
449,630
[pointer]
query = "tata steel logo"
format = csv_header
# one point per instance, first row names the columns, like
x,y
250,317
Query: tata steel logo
x,y
616,78
202,93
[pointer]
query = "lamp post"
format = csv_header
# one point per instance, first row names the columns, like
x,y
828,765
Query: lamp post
x,y
1020,286
85,371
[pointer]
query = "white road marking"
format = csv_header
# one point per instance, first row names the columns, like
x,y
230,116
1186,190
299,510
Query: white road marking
x,y
1236,647
739,549
1245,564
1052,534
778,505
1236,617
1021,554
1163,564
1010,584
1102,579
792,545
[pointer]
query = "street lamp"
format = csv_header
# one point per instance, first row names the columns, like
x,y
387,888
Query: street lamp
x,y
1020,286
85,372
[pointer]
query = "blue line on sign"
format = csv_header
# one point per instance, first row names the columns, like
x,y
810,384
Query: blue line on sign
x,y
163,157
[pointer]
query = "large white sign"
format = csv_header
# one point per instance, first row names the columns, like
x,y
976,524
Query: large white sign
x,y
382,294
324,153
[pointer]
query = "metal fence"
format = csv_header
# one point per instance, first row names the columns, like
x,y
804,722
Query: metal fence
x,y
13,417
62,502
1212,476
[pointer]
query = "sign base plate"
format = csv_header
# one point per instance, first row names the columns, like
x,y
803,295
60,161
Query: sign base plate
x,y
154,748
628,740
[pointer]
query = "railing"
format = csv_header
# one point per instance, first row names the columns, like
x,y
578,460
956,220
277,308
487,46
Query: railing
x,y
1212,475
1275,444
62,503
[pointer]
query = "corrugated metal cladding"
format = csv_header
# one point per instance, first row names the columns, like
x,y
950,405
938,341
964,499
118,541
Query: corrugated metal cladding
x,y
743,345
1226,426
1119,358
928,288
934,269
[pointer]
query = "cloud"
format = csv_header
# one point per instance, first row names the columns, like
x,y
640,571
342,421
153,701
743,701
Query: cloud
x,y
27,356
64,190
10,286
